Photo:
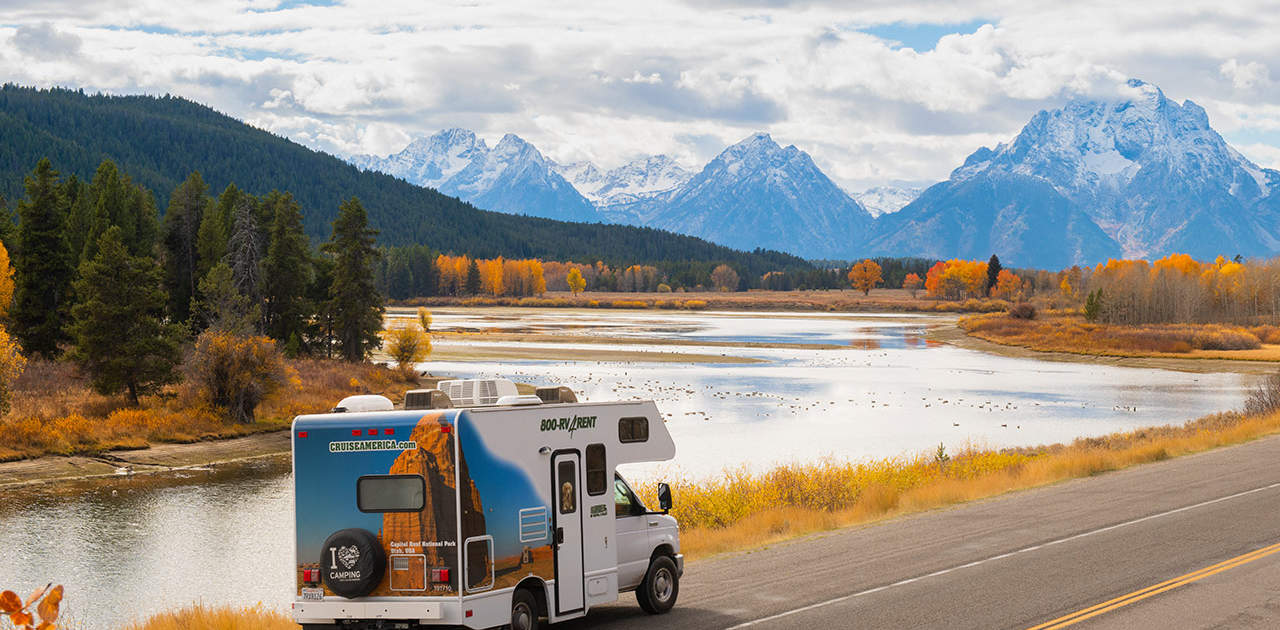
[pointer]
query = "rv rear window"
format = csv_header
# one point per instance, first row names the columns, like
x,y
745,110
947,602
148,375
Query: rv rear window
x,y
391,493
597,480
633,430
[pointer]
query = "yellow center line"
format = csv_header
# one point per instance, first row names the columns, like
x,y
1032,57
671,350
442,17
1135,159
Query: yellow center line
x,y
1156,589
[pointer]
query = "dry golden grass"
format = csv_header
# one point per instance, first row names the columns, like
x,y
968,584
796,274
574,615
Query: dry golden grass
x,y
55,412
1071,333
201,617
741,510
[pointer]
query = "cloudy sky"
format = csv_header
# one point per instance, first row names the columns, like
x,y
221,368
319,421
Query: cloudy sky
x,y
891,91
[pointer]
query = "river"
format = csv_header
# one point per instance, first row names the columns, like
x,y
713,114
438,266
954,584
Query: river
x,y
824,385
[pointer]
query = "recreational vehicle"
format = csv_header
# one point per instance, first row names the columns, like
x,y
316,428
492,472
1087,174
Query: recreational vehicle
x,y
477,507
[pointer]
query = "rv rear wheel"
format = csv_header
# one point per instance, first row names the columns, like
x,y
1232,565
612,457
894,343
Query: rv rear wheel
x,y
524,610
658,592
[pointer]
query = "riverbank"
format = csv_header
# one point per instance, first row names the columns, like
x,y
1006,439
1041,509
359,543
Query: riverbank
x,y
1187,347
830,300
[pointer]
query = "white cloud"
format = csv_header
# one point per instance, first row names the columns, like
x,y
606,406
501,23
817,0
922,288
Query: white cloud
x,y
612,82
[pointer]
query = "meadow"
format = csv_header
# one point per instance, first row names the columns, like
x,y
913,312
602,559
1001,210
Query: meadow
x,y
1068,331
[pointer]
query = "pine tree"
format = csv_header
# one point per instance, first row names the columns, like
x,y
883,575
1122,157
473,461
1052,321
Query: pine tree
x,y
8,230
43,270
181,226
287,273
993,273
356,305
473,278
221,307
215,230
244,252
79,196
121,340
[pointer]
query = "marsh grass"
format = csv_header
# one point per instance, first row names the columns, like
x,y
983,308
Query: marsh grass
x,y
55,412
202,617
1071,333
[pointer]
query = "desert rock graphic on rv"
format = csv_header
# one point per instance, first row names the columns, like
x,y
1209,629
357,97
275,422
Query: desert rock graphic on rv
x,y
478,507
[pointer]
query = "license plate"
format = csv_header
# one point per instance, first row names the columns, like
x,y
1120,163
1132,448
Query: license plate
x,y
316,594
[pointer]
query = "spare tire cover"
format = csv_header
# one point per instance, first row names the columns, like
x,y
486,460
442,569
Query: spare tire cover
x,y
353,562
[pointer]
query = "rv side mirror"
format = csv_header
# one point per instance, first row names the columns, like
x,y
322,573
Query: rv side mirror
x,y
664,497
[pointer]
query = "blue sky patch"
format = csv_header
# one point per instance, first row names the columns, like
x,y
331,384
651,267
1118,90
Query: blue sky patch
x,y
920,37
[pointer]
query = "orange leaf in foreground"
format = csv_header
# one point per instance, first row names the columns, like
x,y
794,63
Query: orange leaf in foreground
x,y
36,595
10,602
48,608
21,618
44,625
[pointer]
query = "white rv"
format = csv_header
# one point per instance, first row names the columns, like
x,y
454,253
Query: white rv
x,y
477,507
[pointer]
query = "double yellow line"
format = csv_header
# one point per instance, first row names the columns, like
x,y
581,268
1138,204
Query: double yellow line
x,y
1156,589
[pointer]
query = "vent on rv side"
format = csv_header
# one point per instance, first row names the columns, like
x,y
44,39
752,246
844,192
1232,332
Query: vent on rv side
x,y
556,394
477,392
426,399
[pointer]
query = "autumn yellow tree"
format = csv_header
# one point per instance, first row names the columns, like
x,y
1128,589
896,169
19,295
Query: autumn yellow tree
x,y
912,283
725,278
576,282
865,276
6,281
1007,285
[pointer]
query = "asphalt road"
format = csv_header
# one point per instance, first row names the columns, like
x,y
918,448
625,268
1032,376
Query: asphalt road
x,y
1148,538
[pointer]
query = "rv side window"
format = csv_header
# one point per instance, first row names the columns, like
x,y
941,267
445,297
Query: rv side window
x,y
633,430
391,493
625,502
567,473
597,480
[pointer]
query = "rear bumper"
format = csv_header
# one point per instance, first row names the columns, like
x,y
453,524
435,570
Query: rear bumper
x,y
679,565
334,610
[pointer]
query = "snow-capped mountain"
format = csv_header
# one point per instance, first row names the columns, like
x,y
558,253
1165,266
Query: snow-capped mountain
x,y
1136,175
638,180
758,194
881,200
512,177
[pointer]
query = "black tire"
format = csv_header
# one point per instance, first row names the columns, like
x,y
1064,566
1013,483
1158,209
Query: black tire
x,y
661,586
352,562
524,610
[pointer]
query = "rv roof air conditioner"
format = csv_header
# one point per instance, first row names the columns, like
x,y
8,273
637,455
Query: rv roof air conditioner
x,y
477,392
556,394
426,399
364,402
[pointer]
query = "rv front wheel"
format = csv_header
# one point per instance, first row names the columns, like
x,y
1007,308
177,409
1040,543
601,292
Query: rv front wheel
x,y
661,585
524,610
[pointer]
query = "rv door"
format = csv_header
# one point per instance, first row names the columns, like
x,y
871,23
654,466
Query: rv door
x,y
565,475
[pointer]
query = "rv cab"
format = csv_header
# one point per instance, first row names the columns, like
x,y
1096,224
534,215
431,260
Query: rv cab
x,y
478,507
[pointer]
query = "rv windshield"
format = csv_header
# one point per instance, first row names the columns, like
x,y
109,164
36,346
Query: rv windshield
x,y
625,502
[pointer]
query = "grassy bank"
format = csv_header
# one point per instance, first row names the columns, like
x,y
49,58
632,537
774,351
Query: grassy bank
x,y
201,617
1066,332
55,412
879,300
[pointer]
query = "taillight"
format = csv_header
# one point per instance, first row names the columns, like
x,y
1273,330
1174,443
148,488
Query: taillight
x,y
439,576
311,576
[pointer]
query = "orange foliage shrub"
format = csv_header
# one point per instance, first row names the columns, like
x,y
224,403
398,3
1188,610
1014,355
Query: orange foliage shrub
x,y
46,600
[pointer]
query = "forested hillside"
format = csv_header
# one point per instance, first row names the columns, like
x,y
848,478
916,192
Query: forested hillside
x,y
160,141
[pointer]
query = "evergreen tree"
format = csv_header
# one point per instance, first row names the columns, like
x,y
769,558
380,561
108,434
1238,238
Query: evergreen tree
x,y
319,338
287,273
244,252
43,272
473,278
222,308
993,272
121,340
357,307
79,196
181,226
215,230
